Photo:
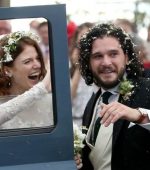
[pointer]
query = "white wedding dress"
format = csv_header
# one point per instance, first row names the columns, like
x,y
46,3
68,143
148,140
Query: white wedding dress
x,y
30,109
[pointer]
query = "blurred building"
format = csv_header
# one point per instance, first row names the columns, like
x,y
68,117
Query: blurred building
x,y
4,3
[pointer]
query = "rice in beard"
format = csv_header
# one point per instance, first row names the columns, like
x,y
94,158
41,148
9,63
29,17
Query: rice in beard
x,y
106,85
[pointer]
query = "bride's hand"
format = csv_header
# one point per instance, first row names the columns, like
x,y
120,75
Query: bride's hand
x,y
47,81
78,161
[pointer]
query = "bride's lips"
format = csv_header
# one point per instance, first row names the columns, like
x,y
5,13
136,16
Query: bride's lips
x,y
34,76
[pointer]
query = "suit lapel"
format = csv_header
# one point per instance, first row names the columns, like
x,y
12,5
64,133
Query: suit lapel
x,y
118,125
87,117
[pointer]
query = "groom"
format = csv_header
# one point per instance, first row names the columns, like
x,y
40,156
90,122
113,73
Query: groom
x,y
118,135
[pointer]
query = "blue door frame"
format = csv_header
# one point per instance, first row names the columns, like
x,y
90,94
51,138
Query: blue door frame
x,y
47,148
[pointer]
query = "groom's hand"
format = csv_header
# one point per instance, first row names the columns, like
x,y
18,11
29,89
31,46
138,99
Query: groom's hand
x,y
110,113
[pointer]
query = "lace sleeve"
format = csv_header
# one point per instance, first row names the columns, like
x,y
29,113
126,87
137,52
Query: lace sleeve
x,y
12,107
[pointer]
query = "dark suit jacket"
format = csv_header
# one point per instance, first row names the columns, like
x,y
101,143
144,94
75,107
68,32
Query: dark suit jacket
x,y
130,146
146,73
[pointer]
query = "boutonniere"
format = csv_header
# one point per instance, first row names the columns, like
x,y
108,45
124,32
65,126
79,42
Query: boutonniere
x,y
78,139
125,89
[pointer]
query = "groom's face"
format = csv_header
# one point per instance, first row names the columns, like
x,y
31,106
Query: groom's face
x,y
107,61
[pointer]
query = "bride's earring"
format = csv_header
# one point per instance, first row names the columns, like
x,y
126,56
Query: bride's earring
x,y
8,74
9,84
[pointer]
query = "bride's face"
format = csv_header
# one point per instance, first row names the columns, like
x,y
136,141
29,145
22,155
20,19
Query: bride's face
x,y
26,70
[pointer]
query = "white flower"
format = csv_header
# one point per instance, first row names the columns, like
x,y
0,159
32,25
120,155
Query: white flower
x,y
78,139
8,58
125,89
12,43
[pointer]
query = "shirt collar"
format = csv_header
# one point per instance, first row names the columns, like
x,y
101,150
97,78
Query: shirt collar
x,y
114,90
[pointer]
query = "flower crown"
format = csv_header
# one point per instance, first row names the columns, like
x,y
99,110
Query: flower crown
x,y
11,45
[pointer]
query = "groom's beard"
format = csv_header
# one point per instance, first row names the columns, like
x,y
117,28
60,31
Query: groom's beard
x,y
107,85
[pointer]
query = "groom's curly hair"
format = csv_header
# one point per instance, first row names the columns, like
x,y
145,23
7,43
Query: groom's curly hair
x,y
133,69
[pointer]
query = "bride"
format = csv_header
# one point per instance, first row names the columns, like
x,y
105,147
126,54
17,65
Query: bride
x,y
25,89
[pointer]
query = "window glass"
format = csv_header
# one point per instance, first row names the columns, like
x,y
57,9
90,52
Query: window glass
x,y
25,83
